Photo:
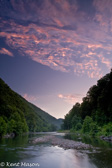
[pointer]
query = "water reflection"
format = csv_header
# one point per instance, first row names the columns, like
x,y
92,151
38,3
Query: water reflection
x,y
94,141
21,149
101,156
55,157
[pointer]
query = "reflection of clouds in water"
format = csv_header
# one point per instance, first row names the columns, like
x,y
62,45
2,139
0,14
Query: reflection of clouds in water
x,y
58,157
48,156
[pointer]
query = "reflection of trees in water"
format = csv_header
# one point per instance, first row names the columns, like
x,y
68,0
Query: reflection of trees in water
x,y
9,148
102,159
19,148
94,141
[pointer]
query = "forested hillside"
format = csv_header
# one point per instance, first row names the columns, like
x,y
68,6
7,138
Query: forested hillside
x,y
47,117
94,114
17,115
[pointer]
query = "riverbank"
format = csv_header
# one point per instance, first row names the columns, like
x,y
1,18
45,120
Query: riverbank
x,y
11,135
21,149
64,143
106,138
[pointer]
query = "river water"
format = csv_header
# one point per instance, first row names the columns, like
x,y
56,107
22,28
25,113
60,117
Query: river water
x,y
20,152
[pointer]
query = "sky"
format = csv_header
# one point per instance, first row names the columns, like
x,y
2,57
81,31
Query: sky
x,y
53,51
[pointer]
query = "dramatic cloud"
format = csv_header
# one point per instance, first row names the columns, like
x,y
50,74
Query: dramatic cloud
x,y
6,52
60,35
71,99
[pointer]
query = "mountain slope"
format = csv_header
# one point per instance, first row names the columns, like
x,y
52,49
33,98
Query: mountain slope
x,y
50,119
19,115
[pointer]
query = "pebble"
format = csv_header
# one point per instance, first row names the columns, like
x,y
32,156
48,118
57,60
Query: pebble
x,y
64,143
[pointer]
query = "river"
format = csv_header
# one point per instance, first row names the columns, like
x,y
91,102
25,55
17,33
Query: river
x,y
20,152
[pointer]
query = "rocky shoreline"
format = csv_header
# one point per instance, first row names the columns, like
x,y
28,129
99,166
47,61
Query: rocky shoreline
x,y
106,138
64,143
11,135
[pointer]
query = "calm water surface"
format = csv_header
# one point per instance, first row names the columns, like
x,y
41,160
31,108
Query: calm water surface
x,y
20,152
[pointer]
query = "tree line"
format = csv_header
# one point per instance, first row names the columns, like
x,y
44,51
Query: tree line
x,y
17,115
94,114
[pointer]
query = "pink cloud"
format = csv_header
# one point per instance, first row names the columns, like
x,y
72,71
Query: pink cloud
x,y
66,40
29,97
89,67
105,61
60,58
71,99
6,52
103,5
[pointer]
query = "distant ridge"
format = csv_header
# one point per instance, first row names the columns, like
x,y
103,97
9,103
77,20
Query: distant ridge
x,y
46,116
18,114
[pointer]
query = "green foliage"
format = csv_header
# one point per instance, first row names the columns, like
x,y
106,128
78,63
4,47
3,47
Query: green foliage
x,y
87,124
3,127
78,127
106,130
85,108
72,118
95,111
20,116
52,127
17,124
94,129
11,126
50,119
109,128
75,121
67,122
